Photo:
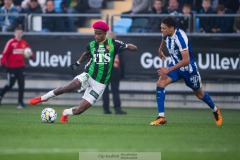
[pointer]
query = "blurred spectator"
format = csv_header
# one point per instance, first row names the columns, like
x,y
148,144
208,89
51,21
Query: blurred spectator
x,y
51,24
183,2
174,10
197,6
1,3
223,24
18,3
139,6
183,22
26,3
7,22
154,23
232,5
173,7
33,7
206,23
71,7
236,25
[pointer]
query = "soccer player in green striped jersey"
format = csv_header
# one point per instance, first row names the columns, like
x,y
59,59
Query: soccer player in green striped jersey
x,y
100,54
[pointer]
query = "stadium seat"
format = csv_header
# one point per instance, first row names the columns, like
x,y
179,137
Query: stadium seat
x,y
122,25
138,23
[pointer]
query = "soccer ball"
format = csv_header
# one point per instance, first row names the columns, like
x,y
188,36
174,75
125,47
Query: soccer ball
x,y
27,53
49,115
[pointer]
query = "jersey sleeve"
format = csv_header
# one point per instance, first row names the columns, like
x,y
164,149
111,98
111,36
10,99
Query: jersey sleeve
x,y
118,45
182,40
88,49
6,53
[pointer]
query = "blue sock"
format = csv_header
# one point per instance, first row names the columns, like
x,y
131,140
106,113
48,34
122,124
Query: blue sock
x,y
208,100
160,95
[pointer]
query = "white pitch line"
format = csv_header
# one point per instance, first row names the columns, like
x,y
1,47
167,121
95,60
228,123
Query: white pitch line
x,y
76,150
40,151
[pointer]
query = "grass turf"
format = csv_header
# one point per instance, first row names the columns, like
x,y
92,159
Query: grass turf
x,y
189,134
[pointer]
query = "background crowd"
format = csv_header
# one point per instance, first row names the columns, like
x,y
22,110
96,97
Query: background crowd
x,y
11,10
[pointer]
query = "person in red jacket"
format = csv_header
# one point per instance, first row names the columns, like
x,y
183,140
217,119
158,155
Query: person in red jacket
x,y
13,60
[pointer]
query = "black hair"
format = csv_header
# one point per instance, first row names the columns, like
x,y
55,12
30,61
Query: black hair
x,y
19,27
169,21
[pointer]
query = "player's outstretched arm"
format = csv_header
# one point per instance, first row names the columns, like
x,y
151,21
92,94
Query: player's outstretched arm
x,y
82,59
131,47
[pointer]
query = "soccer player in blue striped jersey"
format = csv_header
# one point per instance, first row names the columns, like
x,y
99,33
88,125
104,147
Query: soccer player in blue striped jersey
x,y
100,54
182,66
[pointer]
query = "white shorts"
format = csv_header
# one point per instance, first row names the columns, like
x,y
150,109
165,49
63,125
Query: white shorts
x,y
93,89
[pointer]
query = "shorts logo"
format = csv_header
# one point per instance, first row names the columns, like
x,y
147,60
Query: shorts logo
x,y
94,94
194,80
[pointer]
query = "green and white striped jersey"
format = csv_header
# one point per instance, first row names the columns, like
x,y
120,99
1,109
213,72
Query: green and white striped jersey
x,y
101,61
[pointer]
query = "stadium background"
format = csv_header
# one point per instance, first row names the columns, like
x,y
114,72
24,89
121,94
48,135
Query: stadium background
x,y
217,57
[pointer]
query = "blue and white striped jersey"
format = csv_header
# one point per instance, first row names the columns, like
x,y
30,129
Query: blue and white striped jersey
x,y
177,43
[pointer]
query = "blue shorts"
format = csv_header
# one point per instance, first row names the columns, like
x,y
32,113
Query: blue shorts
x,y
190,75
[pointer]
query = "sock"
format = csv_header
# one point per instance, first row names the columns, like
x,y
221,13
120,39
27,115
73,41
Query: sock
x,y
208,100
160,95
214,109
47,96
67,112
161,114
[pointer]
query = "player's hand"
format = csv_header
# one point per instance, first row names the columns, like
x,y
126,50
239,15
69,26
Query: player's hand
x,y
161,55
163,71
122,48
74,66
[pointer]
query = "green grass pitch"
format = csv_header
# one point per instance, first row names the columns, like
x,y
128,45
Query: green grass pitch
x,y
190,134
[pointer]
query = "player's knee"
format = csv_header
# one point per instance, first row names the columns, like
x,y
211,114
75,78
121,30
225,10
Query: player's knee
x,y
161,84
74,85
199,95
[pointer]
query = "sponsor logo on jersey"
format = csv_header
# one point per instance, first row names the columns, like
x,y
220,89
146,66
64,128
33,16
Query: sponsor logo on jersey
x,y
108,47
102,58
101,50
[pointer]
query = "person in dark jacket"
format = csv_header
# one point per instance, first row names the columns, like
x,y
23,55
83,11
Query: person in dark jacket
x,y
154,23
71,7
117,74
206,23
51,24
223,24
33,7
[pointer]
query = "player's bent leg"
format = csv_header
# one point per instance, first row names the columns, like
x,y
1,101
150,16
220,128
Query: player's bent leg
x,y
73,85
199,93
83,106
164,81
208,100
